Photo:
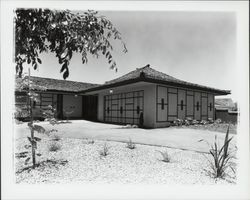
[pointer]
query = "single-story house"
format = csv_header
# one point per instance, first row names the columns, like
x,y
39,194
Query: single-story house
x,y
141,96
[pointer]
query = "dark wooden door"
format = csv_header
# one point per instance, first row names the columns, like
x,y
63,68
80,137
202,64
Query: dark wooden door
x,y
90,107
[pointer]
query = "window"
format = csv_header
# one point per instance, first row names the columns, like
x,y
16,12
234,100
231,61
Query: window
x,y
181,104
121,109
138,109
108,110
162,104
197,106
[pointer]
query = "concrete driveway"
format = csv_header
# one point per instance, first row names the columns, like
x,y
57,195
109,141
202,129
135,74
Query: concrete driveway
x,y
181,138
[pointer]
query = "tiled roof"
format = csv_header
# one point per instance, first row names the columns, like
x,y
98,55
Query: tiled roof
x,y
61,85
148,74
144,74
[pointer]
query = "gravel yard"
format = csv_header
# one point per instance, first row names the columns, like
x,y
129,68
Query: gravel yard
x,y
122,165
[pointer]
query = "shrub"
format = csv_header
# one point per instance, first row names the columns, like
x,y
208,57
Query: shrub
x,y
56,137
130,144
187,122
178,122
105,150
165,156
195,122
221,158
54,147
90,141
203,122
217,121
210,120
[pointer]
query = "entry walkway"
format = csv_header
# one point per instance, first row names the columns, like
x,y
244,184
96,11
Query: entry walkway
x,y
181,138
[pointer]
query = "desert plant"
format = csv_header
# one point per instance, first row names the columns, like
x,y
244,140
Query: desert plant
x,y
90,141
104,151
221,157
195,122
218,121
186,122
54,146
178,122
210,120
204,122
130,144
165,156
56,137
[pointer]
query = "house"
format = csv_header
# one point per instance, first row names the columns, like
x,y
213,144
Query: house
x,y
226,110
141,96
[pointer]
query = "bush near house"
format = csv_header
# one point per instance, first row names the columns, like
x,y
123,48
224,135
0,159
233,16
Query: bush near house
x,y
209,124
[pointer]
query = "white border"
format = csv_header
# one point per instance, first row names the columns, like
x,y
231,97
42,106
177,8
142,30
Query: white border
x,y
10,190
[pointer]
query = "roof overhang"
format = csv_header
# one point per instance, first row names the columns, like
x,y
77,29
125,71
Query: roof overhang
x,y
151,80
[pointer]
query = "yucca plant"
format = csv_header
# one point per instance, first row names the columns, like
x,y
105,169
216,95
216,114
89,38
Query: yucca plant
x,y
221,157
130,144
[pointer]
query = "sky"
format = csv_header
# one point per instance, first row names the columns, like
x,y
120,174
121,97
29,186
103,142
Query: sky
x,y
199,47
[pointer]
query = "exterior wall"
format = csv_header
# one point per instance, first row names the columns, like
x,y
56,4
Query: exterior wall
x,y
173,103
211,106
45,99
197,105
227,116
147,102
182,104
72,106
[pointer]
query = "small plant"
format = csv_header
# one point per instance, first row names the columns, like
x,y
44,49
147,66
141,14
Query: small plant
x,y
186,122
204,122
195,122
90,141
105,150
165,156
54,147
217,121
221,158
210,120
56,137
178,122
130,144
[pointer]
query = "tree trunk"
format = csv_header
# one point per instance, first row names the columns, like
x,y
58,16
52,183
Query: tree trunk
x,y
33,144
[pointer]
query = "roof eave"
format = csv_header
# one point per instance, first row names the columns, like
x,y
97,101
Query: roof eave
x,y
150,80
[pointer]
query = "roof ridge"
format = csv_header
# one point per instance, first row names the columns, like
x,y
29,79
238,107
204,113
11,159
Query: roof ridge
x,y
62,80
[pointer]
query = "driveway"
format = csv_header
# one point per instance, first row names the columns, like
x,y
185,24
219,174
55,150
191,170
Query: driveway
x,y
181,138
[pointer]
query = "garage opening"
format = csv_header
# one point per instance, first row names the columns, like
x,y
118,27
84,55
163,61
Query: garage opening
x,y
124,108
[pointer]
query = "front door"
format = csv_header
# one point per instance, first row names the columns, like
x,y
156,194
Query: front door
x,y
90,104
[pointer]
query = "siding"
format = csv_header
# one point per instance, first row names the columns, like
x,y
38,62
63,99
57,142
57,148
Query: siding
x,y
173,103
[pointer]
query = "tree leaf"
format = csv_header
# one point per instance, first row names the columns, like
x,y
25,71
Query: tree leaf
x,y
26,160
39,129
39,60
66,74
35,66
37,139
64,66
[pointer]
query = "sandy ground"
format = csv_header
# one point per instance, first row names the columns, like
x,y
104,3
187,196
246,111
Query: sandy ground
x,y
142,165
180,138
